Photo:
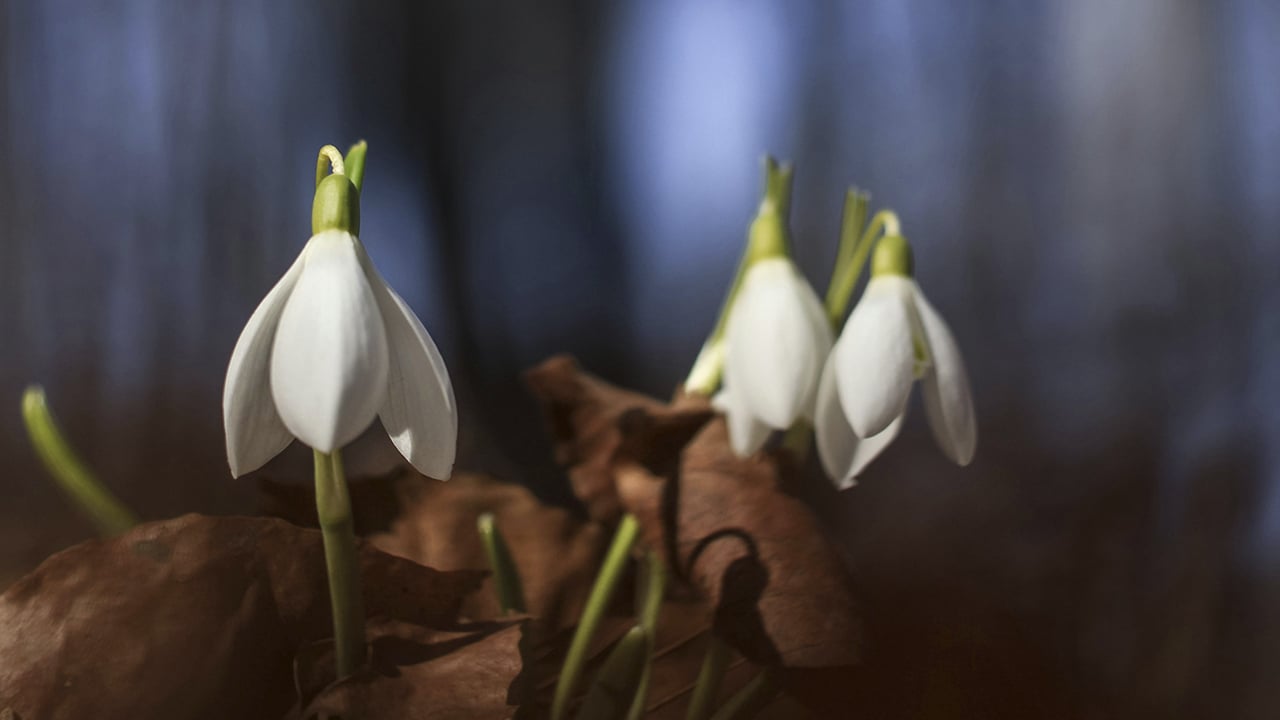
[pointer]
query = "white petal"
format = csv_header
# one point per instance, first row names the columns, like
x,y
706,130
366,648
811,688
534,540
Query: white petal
x,y
746,433
775,352
947,401
418,409
844,455
874,356
255,433
329,362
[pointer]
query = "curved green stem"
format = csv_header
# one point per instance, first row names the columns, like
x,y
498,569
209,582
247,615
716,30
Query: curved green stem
x,y
615,562
844,278
655,587
506,577
714,665
329,162
79,483
342,562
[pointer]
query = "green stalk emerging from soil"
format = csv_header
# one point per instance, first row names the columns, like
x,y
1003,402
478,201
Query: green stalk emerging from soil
x,y
342,562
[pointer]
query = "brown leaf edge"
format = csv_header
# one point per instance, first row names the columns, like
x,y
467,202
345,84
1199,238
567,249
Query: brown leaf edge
x,y
192,617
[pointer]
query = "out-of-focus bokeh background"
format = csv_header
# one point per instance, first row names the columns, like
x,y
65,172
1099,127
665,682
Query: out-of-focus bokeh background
x,y
1092,188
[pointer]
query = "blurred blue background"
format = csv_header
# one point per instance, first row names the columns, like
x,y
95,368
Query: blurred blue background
x,y
1092,188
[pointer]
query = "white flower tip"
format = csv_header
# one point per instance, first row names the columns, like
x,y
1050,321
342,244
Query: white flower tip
x,y
846,482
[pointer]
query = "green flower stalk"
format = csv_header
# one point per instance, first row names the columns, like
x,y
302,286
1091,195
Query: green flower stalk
x,y
110,515
506,577
618,677
341,560
615,562
652,590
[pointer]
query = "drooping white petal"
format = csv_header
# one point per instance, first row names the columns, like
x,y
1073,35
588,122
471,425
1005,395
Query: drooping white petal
x,y
775,351
255,433
329,362
418,409
844,455
746,433
874,356
947,400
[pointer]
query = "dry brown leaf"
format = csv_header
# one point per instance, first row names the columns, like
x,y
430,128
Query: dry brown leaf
x,y
781,593
556,554
417,673
589,420
195,617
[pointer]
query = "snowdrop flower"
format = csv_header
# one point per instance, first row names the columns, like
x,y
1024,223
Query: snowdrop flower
x,y
330,348
777,339
893,338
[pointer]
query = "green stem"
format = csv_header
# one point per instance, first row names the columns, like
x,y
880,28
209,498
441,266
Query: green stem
x,y
844,278
342,562
655,587
710,676
506,577
704,378
329,162
749,700
615,562
110,515
617,678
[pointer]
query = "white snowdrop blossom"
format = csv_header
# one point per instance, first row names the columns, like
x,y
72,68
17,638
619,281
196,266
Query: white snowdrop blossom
x,y
330,348
777,339
893,338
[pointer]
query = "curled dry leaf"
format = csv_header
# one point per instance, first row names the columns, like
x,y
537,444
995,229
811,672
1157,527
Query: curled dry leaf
x,y
781,594
589,420
195,617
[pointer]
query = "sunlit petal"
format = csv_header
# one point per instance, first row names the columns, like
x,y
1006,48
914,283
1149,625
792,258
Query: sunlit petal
x,y
874,356
775,353
255,433
947,400
329,362
418,409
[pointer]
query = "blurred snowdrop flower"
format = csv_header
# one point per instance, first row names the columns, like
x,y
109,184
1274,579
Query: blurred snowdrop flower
x,y
892,338
776,342
330,348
